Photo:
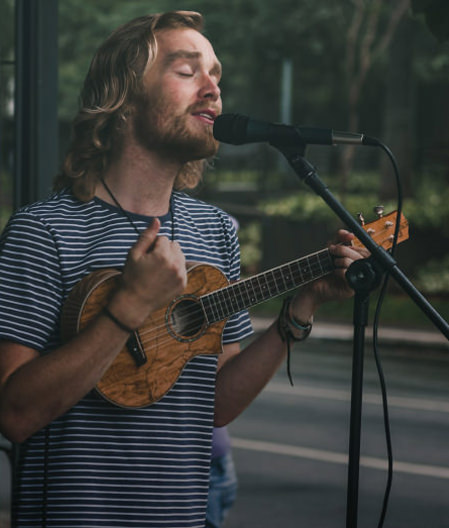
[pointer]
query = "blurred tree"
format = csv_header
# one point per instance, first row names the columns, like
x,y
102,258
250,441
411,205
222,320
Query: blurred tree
x,y
372,28
399,109
338,51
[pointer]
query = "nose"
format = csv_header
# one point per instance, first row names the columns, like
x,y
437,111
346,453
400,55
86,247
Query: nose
x,y
209,88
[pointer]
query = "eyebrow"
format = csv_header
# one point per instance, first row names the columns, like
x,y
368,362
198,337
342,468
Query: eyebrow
x,y
190,55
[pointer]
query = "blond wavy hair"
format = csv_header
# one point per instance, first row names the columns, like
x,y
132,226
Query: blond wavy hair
x,y
112,82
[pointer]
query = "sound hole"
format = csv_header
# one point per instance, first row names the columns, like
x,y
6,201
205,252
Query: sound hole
x,y
186,320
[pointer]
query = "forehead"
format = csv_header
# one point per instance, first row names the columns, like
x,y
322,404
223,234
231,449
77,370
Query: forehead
x,y
184,42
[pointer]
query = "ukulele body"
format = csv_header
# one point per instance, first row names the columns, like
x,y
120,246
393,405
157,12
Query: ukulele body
x,y
155,355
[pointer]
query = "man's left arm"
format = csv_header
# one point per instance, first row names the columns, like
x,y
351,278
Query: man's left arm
x,y
242,375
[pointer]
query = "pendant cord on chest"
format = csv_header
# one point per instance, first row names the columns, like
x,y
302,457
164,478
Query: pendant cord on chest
x,y
128,216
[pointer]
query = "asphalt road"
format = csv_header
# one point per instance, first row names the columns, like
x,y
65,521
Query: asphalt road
x,y
291,444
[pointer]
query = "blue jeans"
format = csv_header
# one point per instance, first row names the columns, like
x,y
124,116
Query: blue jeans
x,y
222,490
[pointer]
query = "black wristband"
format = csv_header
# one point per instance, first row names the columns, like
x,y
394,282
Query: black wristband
x,y
114,319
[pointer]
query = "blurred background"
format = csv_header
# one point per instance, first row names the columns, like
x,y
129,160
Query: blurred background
x,y
371,66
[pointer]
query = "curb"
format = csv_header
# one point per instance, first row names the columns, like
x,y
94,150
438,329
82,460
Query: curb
x,y
390,335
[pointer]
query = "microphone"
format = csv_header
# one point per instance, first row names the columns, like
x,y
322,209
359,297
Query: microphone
x,y
239,129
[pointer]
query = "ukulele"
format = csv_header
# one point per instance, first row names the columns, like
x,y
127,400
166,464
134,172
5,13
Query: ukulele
x,y
192,323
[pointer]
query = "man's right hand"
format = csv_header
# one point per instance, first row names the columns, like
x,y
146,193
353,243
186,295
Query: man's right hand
x,y
154,274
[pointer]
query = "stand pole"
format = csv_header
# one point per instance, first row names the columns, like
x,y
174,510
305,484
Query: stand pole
x,y
363,278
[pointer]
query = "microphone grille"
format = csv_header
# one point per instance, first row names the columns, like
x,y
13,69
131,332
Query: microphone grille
x,y
231,128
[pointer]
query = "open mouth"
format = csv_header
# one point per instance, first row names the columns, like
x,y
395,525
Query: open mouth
x,y
207,116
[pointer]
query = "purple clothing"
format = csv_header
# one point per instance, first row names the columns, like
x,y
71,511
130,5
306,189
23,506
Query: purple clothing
x,y
221,442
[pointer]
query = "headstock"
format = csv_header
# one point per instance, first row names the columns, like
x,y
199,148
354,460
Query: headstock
x,y
382,229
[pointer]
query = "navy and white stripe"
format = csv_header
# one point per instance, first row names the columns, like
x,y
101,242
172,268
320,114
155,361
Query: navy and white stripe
x,y
108,466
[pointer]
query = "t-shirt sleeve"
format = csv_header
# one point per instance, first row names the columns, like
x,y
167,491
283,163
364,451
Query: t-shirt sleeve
x,y
30,282
239,325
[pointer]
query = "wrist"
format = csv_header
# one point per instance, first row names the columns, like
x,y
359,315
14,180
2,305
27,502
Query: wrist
x,y
117,321
126,309
291,327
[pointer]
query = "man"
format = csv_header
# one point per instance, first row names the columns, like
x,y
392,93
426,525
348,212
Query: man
x,y
148,106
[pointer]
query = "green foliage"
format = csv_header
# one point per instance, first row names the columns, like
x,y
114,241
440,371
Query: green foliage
x,y
429,208
305,205
433,278
250,238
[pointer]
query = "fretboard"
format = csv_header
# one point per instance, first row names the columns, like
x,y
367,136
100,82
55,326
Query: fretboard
x,y
246,293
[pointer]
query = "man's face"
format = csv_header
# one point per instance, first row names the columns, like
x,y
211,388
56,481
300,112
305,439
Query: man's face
x,y
182,97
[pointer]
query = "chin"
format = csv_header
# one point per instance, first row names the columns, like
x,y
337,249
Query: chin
x,y
196,148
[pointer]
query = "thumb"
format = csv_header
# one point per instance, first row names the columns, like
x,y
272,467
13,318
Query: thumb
x,y
147,238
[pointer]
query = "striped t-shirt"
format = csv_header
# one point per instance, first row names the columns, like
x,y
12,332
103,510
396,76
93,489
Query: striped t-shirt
x,y
99,464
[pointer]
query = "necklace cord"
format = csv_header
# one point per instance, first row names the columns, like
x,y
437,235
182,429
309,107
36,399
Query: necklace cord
x,y
128,216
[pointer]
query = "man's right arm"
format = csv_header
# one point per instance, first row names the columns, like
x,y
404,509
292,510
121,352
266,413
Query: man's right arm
x,y
37,388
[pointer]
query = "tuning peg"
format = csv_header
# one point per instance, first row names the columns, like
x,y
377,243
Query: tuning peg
x,y
361,219
379,210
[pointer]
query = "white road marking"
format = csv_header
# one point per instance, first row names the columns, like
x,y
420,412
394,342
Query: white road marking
x,y
421,404
338,458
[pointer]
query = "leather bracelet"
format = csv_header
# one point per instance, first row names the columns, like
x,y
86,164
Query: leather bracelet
x,y
305,328
285,323
288,324
118,323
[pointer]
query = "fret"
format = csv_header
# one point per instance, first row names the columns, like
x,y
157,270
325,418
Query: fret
x,y
247,292
275,289
253,297
316,266
263,285
305,270
209,308
298,272
221,304
289,277
242,291
234,303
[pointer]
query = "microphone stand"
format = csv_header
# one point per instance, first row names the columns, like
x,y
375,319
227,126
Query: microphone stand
x,y
363,275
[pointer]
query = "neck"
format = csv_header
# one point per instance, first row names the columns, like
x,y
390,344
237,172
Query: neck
x,y
141,183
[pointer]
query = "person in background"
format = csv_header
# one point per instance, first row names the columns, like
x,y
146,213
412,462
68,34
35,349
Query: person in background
x,y
223,479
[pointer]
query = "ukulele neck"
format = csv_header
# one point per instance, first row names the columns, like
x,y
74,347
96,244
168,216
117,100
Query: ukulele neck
x,y
246,293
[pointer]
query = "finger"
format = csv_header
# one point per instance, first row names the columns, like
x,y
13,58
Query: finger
x,y
344,236
342,263
337,250
148,238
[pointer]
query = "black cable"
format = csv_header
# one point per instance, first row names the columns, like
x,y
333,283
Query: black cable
x,y
375,342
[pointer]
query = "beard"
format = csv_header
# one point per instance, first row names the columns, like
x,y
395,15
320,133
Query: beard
x,y
159,130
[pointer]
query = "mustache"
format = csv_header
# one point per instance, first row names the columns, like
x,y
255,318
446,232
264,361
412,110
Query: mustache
x,y
197,107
